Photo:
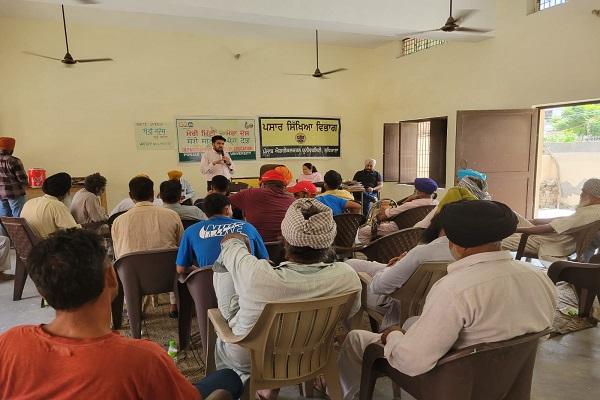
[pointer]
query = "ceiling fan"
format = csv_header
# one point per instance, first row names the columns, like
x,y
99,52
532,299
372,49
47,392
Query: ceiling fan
x,y
452,24
318,73
68,59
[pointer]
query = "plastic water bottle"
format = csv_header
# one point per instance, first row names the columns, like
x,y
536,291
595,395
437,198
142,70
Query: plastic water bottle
x,y
172,352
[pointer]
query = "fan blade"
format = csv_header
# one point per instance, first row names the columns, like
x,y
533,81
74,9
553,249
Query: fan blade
x,y
411,34
300,74
41,55
88,1
462,16
334,70
84,60
463,29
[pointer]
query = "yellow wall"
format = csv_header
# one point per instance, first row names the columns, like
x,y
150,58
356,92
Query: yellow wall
x,y
543,58
80,119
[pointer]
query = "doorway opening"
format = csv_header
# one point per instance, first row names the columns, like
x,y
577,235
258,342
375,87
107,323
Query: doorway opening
x,y
569,144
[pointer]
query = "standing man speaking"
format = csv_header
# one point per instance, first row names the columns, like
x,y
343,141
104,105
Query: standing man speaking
x,y
216,161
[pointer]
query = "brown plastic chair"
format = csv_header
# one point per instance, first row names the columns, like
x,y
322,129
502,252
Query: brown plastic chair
x,y
347,226
411,295
188,222
583,238
585,278
276,251
197,293
291,342
410,217
490,371
385,248
267,167
23,239
143,273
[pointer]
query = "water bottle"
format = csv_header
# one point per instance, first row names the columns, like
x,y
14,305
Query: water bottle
x,y
172,352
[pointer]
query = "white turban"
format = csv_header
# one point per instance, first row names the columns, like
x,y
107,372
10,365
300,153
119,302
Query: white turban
x,y
317,231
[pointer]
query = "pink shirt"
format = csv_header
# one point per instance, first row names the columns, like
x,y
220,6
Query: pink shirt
x,y
314,177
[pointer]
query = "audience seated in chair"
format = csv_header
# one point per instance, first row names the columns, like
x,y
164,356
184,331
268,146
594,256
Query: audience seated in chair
x,y
265,207
371,181
338,205
200,245
170,194
48,213
332,185
146,227
548,240
187,191
308,230
424,195
127,203
389,278
85,206
486,297
77,355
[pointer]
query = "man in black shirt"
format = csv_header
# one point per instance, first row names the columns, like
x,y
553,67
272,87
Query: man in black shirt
x,y
372,182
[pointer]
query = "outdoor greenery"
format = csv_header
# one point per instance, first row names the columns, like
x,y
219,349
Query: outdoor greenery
x,y
576,124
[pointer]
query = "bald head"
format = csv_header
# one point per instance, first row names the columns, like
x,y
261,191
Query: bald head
x,y
370,164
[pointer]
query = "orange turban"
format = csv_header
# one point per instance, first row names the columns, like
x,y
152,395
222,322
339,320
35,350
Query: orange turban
x,y
7,143
281,173
175,174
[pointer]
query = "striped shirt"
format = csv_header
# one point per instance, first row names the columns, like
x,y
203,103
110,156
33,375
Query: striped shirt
x,y
13,178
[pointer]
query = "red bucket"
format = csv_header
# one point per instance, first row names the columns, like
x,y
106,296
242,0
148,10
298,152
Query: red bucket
x,y
36,177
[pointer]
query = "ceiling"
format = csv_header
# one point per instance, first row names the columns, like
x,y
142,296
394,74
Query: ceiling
x,y
356,23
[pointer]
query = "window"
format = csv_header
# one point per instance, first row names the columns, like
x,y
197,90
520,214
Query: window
x,y
413,45
544,4
415,149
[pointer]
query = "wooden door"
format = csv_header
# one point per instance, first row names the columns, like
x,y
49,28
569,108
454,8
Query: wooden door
x,y
503,144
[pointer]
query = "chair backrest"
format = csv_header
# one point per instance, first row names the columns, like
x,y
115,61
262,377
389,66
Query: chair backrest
x,y
188,222
495,371
237,186
410,217
276,251
392,245
292,340
413,293
149,272
112,218
347,225
21,235
583,237
581,275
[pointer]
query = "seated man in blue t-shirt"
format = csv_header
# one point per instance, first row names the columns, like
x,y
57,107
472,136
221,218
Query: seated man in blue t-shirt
x,y
338,205
201,243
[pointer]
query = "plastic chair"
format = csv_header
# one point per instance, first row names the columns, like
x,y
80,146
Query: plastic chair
x,y
490,371
411,295
276,252
112,218
188,222
347,226
197,293
143,273
583,238
267,167
410,217
585,278
385,248
23,239
291,342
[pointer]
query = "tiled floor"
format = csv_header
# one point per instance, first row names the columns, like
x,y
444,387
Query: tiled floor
x,y
567,367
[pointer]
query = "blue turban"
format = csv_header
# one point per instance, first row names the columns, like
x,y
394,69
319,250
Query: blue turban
x,y
463,173
426,185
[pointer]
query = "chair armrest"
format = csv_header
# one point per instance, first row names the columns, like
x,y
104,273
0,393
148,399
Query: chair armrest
x,y
342,249
522,244
365,278
222,327
555,272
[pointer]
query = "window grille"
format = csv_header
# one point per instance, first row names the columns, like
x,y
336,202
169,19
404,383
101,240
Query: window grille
x,y
413,45
544,4
423,149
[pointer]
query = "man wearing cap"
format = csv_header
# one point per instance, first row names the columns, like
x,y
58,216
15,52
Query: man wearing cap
x,y
13,180
187,192
424,195
266,206
486,297
48,213
306,189
216,161
308,231
548,239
